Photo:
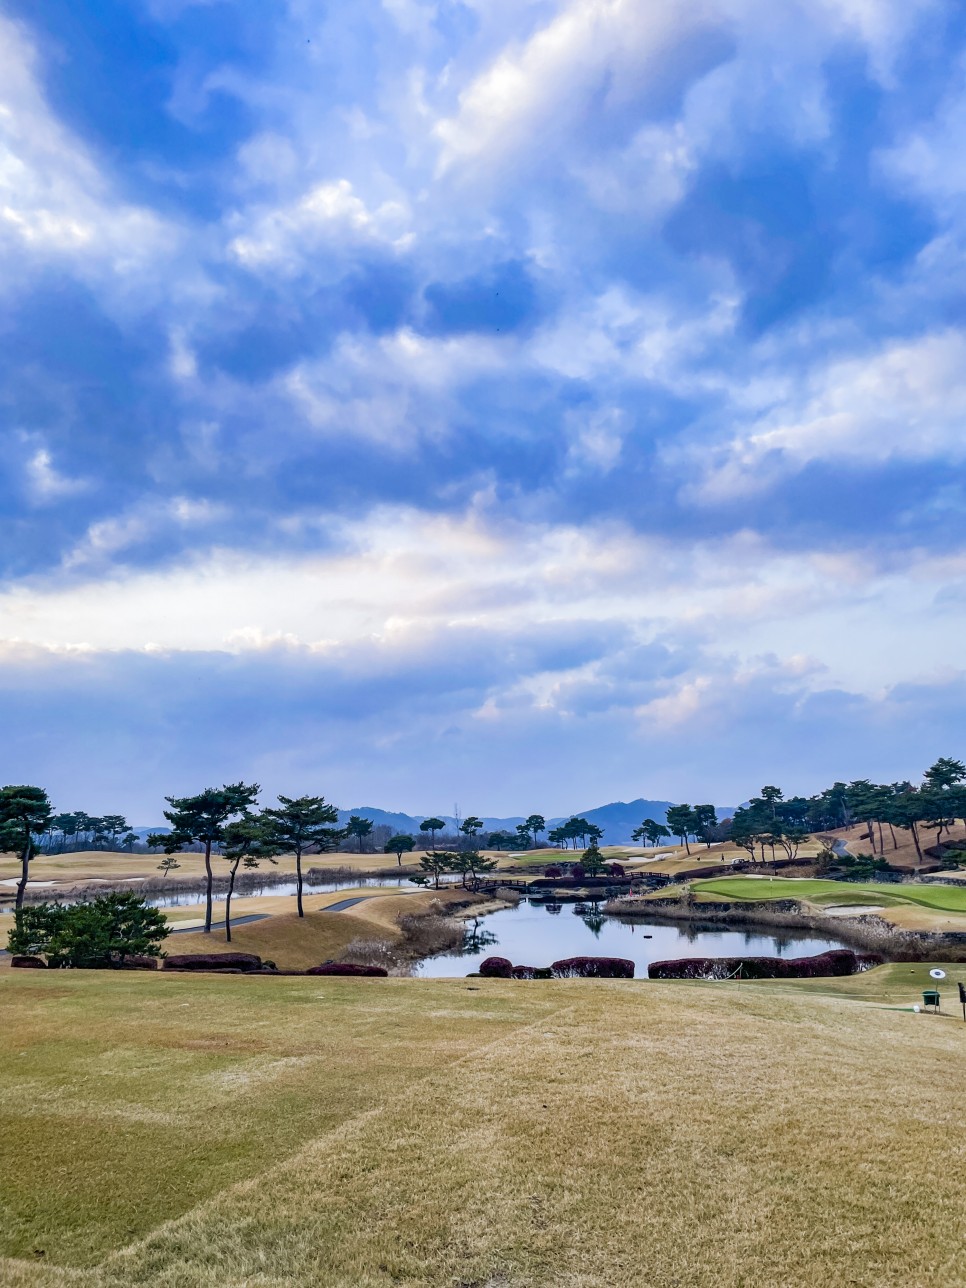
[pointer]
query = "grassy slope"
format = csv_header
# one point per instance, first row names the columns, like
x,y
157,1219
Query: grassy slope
x,y
291,942
904,854
294,942
370,1133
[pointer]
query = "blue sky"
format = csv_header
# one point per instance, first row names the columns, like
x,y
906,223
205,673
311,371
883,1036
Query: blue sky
x,y
521,404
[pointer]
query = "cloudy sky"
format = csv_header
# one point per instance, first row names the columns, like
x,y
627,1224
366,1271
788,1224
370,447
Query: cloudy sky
x,y
524,403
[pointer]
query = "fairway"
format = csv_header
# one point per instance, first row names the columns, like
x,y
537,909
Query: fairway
x,y
208,1131
943,898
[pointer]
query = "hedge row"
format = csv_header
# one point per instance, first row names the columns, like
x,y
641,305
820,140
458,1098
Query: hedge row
x,y
566,968
837,961
222,963
134,962
593,968
251,964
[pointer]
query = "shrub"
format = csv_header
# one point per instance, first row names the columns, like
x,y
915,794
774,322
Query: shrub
x,y
508,895
213,961
371,952
593,968
838,961
431,933
553,872
106,932
616,870
523,972
25,959
347,968
577,872
496,968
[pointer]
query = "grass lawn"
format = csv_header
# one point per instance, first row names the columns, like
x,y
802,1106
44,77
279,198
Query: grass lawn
x,y
192,1132
942,898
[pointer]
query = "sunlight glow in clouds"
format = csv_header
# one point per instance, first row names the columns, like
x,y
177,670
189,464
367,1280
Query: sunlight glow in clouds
x,y
568,390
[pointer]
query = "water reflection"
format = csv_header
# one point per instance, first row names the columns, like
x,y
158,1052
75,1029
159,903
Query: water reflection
x,y
185,898
477,938
528,937
592,916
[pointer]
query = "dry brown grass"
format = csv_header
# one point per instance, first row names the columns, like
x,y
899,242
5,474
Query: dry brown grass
x,y
86,866
904,856
295,943
475,1133
292,942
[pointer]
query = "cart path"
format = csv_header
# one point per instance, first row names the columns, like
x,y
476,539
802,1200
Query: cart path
x,y
361,898
220,925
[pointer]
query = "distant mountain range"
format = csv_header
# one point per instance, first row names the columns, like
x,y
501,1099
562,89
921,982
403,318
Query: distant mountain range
x,y
618,819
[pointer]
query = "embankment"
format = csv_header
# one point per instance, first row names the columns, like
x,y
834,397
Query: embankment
x,y
866,931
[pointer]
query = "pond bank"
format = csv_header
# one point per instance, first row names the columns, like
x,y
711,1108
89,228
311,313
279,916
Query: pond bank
x,y
868,931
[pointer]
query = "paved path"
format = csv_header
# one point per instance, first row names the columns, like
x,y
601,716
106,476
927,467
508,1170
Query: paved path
x,y
220,925
345,903
349,903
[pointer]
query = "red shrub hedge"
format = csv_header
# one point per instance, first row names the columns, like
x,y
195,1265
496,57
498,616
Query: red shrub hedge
x,y
522,972
213,961
838,961
553,872
346,968
593,968
496,968
617,870
577,872
35,963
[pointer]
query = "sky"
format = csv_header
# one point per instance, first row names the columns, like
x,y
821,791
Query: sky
x,y
518,404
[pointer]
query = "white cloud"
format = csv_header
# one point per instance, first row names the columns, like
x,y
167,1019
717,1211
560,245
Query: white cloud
x,y
391,389
592,50
596,439
930,160
906,402
546,93
54,201
109,537
328,215
45,483
268,157
400,577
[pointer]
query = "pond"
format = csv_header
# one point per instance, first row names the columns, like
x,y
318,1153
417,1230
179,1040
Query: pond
x,y
536,935
185,898
285,886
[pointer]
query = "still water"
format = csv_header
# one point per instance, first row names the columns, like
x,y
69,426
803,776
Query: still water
x,y
185,898
534,935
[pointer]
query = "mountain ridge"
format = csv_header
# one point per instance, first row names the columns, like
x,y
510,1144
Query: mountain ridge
x,y
618,819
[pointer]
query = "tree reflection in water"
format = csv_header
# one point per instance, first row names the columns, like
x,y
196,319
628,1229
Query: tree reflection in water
x,y
592,917
475,938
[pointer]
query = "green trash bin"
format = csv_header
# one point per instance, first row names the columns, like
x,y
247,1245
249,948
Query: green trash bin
x,y
930,997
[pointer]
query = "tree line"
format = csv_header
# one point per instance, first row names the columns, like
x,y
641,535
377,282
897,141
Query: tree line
x,y
778,823
81,831
227,822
